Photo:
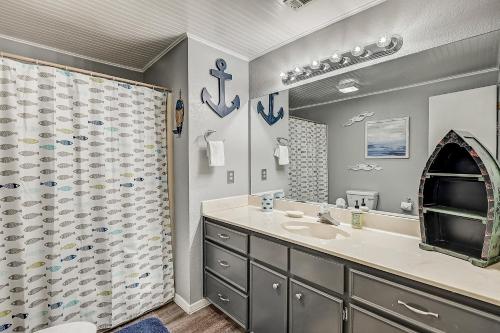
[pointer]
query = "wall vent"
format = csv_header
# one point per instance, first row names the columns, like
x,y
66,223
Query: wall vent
x,y
295,4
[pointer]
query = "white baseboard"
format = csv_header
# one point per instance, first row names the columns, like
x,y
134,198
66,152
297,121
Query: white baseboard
x,y
190,308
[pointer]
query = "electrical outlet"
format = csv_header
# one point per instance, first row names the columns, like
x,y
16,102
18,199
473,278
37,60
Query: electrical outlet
x,y
263,174
230,176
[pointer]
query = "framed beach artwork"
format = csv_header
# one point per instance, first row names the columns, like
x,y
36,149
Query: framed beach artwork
x,y
389,138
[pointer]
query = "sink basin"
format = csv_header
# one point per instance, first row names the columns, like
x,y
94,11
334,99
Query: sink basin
x,y
314,230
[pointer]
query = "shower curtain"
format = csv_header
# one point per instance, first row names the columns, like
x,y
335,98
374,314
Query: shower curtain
x,y
308,169
84,213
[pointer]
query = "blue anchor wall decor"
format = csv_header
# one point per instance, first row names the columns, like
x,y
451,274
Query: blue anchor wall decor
x,y
270,118
221,109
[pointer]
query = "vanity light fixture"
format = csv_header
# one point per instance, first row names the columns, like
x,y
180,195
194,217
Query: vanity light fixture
x,y
348,86
384,46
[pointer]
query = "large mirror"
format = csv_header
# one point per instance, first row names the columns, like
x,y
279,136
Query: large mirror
x,y
366,135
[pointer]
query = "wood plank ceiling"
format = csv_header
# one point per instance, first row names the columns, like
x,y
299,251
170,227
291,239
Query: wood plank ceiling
x,y
132,33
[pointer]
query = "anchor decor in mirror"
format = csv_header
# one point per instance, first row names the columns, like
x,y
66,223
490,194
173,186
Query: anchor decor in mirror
x,y
221,108
459,199
270,118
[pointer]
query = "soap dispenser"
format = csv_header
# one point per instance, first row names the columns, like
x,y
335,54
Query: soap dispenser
x,y
363,207
356,217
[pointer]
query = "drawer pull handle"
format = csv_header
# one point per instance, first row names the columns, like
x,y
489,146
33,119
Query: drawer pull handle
x,y
276,285
222,298
223,236
417,311
223,263
298,296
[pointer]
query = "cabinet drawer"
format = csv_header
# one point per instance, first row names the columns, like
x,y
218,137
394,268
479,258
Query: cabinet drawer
x,y
234,239
424,310
313,311
321,271
269,252
229,265
227,299
268,300
363,321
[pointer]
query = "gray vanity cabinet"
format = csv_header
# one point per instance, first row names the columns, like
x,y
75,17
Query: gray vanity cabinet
x,y
267,285
268,300
313,311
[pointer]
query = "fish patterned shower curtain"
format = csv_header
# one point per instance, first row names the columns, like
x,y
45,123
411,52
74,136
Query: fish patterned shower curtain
x,y
308,169
85,228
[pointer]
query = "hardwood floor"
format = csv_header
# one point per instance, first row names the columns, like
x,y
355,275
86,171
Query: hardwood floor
x,y
206,320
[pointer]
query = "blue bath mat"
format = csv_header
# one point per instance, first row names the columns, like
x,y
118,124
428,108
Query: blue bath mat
x,y
150,325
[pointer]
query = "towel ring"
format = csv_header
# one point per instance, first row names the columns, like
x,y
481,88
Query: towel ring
x,y
282,141
207,134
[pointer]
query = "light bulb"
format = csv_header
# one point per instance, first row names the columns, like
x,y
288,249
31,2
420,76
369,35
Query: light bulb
x,y
297,69
315,64
384,42
336,57
283,75
358,51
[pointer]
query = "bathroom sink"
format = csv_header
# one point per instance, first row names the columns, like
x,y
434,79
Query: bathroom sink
x,y
314,230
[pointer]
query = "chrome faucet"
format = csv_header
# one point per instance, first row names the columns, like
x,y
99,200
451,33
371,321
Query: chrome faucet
x,y
328,219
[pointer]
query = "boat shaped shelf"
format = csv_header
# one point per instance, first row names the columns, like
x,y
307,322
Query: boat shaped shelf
x,y
459,200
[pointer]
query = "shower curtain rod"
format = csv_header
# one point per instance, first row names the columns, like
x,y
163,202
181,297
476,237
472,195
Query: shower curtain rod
x,y
309,120
79,70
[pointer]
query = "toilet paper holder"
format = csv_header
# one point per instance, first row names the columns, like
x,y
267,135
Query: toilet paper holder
x,y
407,205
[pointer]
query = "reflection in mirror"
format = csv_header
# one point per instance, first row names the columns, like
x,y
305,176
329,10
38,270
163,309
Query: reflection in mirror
x,y
365,135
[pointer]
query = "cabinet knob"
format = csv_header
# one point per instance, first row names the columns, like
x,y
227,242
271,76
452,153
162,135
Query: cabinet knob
x,y
298,296
223,236
223,263
276,285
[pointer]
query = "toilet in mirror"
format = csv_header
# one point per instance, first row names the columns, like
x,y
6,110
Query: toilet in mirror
x,y
361,138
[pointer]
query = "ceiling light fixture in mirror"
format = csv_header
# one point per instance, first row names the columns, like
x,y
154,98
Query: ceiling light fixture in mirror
x,y
384,46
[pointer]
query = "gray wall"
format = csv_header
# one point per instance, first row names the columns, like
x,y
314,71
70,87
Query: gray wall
x,y
423,24
205,182
262,145
26,50
399,178
187,67
172,71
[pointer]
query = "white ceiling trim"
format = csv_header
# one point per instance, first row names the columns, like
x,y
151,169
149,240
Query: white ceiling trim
x,y
49,48
162,53
424,83
319,27
217,46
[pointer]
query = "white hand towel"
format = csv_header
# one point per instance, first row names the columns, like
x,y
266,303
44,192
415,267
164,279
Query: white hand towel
x,y
215,153
281,153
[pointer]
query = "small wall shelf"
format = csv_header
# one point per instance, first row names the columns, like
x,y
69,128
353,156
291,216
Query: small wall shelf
x,y
477,177
459,201
468,214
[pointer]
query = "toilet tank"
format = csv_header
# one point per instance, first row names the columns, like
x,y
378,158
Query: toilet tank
x,y
371,198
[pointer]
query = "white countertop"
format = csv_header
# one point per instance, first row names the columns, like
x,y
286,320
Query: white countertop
x,y
386,251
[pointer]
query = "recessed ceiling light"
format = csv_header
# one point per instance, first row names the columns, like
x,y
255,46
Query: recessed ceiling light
x,y
348,86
